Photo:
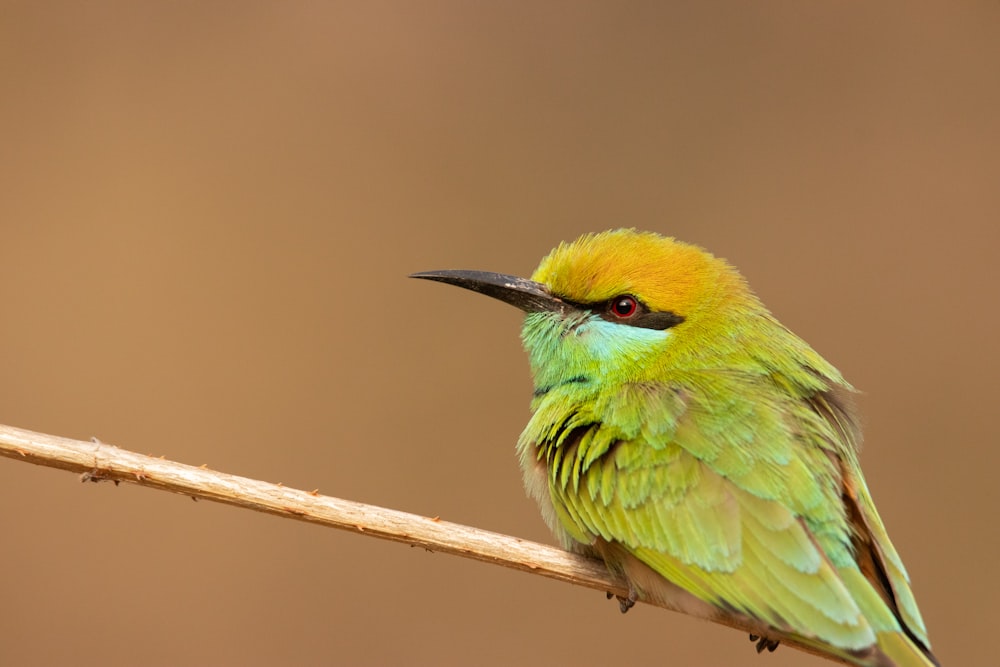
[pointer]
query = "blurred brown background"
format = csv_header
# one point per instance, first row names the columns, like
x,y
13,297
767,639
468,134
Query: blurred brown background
x,y
208,213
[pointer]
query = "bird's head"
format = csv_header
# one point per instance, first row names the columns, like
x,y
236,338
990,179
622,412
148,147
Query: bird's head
x,y
617,306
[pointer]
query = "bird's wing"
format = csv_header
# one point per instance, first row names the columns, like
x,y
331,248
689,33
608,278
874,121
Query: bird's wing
x,y
872,549
736,505
878,561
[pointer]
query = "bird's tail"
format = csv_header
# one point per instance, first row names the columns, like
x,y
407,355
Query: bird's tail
x,y
902,651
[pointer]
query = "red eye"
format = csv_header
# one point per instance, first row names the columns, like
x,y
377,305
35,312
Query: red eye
x,y
624,306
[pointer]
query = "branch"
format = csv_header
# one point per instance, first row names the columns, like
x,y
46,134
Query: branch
x,y
98,461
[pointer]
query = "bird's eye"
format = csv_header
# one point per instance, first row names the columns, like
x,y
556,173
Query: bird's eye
x,y
624,306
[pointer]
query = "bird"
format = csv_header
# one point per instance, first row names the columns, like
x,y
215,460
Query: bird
x,y
708,455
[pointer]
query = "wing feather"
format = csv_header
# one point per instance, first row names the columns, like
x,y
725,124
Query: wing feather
x,y
734,530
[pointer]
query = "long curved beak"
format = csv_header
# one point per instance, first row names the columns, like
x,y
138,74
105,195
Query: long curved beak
x,y
529,296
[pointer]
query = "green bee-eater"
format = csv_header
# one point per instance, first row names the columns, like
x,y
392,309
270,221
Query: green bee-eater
x,y
706,453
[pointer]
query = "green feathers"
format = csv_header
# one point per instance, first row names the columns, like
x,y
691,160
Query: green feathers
x,y
705,452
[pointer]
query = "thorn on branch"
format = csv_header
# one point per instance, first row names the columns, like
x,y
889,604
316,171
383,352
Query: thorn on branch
x,y
97,475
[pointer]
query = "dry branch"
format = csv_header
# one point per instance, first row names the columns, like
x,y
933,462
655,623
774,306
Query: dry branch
x,y
100,461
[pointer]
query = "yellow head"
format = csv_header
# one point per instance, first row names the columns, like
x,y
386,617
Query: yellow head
x,y
664,274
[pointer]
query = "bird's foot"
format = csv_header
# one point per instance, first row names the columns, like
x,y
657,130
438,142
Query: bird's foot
x,y
764,643
627,602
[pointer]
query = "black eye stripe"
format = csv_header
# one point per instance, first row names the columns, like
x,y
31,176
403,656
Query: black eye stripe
x,y
661,320
643,317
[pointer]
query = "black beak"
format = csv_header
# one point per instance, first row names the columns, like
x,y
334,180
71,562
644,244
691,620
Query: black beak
x,y
529,296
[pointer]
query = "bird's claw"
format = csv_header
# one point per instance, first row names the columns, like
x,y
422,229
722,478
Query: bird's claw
x,y
764,643
625,603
